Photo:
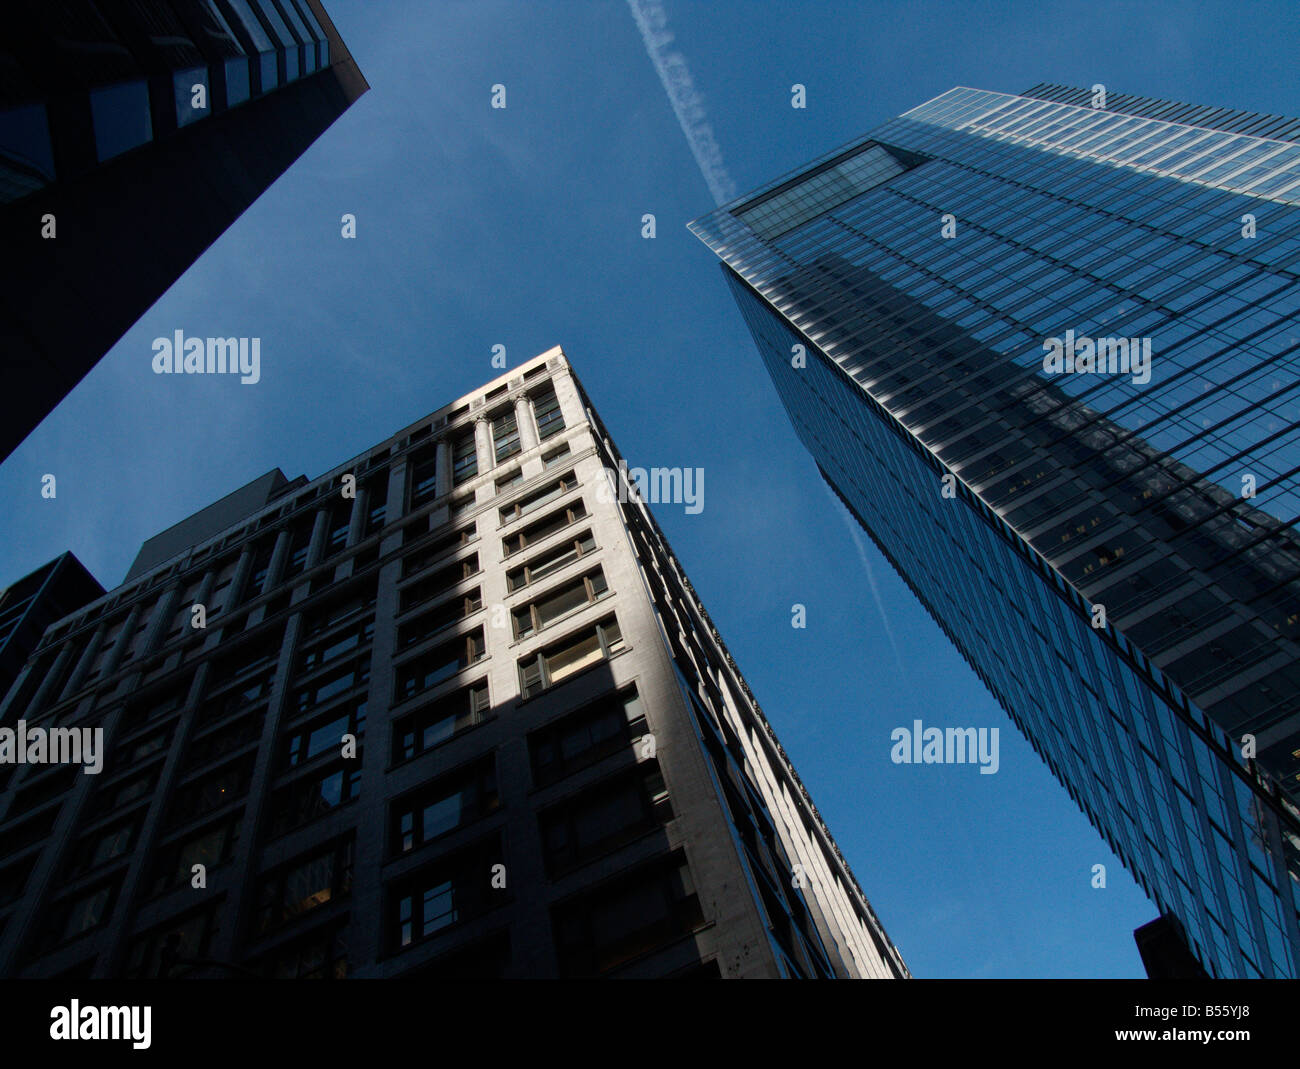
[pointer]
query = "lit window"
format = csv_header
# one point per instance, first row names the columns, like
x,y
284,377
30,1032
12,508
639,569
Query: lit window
x,y
569,657
558,603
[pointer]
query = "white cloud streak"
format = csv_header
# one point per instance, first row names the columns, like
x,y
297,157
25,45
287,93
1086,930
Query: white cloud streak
x,y
856,532
688,105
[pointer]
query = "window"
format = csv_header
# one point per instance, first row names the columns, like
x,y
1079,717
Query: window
x,y
356,601
557,603
168,951
51,783
312,796
518,509
451,890
102,846
183,85
297,889
261,567
214,745
505,435
552,524
211,846
310,18
132,751
257,654
438,548
604,817
450,802
376,503
272,15
552,560
444,719
423,477
439,619
570,656
299,27
464,459
642,912
13,879
211,791
238,86
182,620
323,734
817,191
438,584
439,664
336,646
221,593
123,791
120,115
556,457
155,706
234,699
546,409
27,150
319,955
582,738
340,523
80,914
251,25
333,683
299,545
513,479
32,830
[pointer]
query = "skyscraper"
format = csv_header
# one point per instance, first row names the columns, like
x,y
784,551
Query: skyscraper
x,y
35,601
131,136
453,709
1044,348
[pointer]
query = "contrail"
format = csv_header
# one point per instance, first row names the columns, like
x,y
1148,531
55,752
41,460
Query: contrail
x,y
871,578
652,21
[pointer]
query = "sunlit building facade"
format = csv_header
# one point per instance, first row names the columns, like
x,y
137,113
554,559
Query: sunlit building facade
x,y
454,710
1045,348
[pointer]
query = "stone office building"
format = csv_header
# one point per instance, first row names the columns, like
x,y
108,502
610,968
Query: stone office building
x,y
455,711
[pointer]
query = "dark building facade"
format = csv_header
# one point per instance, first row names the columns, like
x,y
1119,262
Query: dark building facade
x,y
35,601
1110,540
132,135
454,711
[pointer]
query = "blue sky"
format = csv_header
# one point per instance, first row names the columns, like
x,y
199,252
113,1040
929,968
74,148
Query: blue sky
x,y
522,227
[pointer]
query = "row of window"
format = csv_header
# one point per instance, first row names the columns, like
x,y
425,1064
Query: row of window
x,y
574,742
506,443
454,888
248,674
258,580
267,55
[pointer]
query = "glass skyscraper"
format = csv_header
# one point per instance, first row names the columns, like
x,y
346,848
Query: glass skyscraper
x,y
1044,347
